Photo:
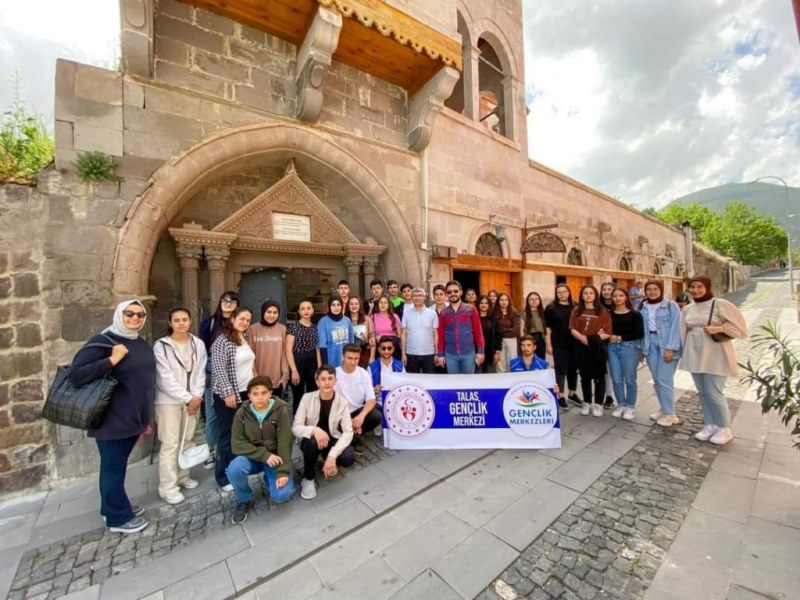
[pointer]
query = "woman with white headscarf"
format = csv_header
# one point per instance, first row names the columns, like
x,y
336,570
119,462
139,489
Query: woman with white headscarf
x,y
129,358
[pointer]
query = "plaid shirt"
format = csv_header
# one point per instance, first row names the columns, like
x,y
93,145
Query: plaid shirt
x,y
223,367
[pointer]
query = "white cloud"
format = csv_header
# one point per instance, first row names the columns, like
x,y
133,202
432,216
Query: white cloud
x,y
683,95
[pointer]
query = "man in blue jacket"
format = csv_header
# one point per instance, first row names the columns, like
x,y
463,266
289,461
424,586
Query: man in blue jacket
x,y
384,362
527,361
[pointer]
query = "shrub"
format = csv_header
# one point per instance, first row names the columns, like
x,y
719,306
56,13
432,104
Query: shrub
x,y
95,166
25,146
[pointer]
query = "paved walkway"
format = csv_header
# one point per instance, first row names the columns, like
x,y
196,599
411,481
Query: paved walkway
x,y
622,510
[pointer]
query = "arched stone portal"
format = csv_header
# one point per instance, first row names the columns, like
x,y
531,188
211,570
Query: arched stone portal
x,y
236,150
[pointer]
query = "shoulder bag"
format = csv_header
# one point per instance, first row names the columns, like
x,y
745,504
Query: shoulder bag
x,y
717,337
81,407
195,455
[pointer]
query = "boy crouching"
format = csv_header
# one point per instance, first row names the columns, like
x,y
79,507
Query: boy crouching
x,y
261,439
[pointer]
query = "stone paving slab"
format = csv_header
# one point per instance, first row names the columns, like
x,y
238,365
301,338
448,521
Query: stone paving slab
x,y
427,585
726,495
212,583
375,576
768,564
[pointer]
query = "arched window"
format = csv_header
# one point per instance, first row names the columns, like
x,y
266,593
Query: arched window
x,y
625,264
656,267
575,257
488,245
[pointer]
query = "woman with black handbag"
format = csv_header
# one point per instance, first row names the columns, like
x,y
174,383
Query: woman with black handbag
x,y
708,325
133,365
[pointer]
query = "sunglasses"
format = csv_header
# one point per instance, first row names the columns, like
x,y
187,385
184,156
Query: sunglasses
x,y
132,314
389,348
230,301
452,291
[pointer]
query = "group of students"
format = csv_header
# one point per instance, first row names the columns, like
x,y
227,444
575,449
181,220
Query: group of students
x,y
238,371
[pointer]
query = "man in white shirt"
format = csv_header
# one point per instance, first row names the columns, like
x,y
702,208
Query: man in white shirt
x,y
355,384
420,334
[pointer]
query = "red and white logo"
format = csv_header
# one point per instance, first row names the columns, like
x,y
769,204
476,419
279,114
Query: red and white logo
x,y
409,410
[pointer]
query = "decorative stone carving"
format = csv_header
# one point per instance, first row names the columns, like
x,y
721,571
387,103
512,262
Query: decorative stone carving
x,y
313,62
488,245
136,36
353,265
544,241
426,104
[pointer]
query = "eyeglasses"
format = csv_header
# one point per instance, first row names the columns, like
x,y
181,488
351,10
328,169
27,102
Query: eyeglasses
x,y
229,301
132,314
453,291
387,349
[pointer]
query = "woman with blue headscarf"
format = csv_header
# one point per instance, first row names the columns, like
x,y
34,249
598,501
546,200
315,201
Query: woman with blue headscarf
x,y
129,358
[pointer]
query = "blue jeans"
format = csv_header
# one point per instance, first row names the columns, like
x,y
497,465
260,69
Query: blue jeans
x,y
241,467
114,503
663,376
212,430
623,359
460,364
712,398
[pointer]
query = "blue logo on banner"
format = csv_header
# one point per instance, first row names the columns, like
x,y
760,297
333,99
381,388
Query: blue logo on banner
x,y
530,410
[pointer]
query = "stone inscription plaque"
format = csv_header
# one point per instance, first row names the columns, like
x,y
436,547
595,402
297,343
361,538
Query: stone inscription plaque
x,y
296,228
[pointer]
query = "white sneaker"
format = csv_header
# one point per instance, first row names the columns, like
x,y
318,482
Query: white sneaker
x,y
628,414
174,497
705,433
585,409
618,412
378,431
656,415
597,410
189,483
722,436
308,489
668,420
227,489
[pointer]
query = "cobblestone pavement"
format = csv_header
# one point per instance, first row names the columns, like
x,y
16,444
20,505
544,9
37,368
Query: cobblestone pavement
x,y
75,563
612,540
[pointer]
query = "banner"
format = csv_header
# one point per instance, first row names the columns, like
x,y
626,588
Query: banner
x,y
508,410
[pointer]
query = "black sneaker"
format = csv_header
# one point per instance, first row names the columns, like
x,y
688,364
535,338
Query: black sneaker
x,y
135,525
575,400
240,512
608,403
562,404
210,462
358,446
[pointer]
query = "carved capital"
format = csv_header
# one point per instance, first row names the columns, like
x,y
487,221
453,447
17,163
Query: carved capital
x,y
426,104
189,256
313,62
371,262
217,257
353,263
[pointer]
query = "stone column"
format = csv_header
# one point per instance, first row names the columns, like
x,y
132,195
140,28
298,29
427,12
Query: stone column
x,y
370,264
353,265
472,103
217,260
189,258
136,36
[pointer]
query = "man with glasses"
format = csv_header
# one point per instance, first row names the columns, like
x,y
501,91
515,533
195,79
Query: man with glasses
x,y
419,335
460,344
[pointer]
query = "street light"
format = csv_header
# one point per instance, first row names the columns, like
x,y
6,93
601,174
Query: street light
x,y
788,227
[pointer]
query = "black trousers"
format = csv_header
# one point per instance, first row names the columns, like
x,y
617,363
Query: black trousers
x,y
224,425
566,367
114,503
311,453
306,364
372,420
541,345
416,363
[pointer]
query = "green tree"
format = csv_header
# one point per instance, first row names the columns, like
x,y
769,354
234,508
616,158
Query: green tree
x,y
745,235
699,217
651,212
25,146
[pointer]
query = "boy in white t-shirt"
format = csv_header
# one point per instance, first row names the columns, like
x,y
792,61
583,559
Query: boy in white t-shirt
x,y
355,384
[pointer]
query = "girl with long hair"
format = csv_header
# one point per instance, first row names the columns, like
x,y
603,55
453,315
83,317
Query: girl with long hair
x,y
363,330
590,324
624,352
493,340
302,353
606,291
386,323
510,324
561,345
180,382
232,368
534,322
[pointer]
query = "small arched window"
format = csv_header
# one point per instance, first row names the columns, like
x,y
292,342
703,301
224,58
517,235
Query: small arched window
x,y
488,245
575,257
656,267
625,264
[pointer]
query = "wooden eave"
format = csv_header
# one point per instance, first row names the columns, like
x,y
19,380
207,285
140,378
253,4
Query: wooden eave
x,y
376,38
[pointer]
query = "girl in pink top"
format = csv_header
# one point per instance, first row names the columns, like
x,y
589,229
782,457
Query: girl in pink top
x,y
386,323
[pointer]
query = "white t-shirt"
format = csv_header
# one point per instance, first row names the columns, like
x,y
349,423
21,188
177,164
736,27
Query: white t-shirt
x,y
245,359
355,386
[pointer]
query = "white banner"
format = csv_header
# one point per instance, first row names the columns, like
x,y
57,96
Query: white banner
x,y
508,410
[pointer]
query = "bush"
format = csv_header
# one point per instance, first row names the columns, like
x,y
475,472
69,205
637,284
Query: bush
x,y
95,166
778,380
25,146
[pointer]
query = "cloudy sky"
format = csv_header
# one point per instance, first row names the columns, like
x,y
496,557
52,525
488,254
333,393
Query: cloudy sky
x,y
646,100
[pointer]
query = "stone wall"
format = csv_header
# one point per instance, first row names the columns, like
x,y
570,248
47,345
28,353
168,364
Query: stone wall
x,y
726,275
25,447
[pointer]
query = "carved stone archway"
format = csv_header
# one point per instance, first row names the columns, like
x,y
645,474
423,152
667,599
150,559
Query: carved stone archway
x,y
233,151
489,245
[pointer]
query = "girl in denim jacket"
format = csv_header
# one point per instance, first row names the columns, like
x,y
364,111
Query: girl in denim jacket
x,y
662,348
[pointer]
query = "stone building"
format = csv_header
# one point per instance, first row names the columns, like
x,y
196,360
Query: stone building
x,y
275,148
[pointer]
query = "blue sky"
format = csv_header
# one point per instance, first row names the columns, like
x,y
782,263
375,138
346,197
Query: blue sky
x,y
645,100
